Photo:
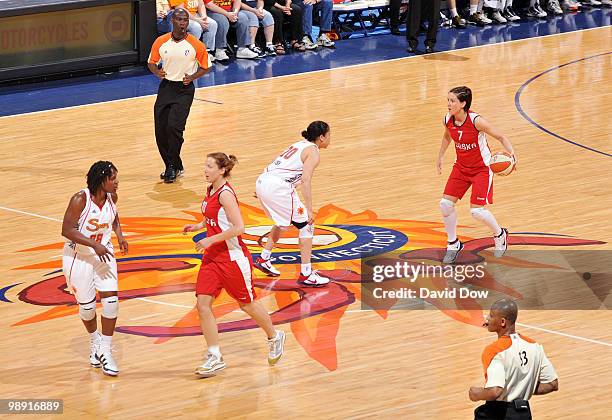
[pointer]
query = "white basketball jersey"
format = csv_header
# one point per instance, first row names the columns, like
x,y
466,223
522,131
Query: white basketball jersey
x,y
96,222
288,165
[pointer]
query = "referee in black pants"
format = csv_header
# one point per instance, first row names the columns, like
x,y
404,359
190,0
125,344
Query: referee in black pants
x,y
184,59
418,11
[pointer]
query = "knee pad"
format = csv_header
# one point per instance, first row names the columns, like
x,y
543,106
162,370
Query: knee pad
x,y
87,311
478,213
306,232
447,207
110,307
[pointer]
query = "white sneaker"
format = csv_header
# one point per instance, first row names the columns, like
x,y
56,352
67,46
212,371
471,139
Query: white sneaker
x,y
313,280
211,56
267,267
606,3
277,346
246,53
324,41
211,366
308,44
95,342
497,17
591,2
485,19
452,251
109,366
221,55
501,243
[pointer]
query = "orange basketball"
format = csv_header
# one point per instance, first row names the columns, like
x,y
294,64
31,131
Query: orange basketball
x,y
502,163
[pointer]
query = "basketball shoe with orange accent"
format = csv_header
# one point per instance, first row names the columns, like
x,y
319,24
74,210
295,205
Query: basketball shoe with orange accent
x,y
313,280
266,267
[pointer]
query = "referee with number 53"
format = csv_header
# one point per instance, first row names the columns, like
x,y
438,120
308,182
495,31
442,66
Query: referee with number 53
x,y
184,59
515,366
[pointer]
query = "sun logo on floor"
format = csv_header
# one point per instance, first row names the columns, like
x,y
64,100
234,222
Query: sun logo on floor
x,y
162,267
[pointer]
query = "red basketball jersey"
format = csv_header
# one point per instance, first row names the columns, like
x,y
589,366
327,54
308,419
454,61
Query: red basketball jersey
x,y
470,144
217,222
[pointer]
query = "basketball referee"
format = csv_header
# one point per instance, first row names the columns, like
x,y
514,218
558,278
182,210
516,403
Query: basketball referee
x,y
184,59
515,368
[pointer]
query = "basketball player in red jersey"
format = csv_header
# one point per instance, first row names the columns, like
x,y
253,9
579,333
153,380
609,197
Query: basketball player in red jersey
x,y
89,262
468,131
226,264
276,190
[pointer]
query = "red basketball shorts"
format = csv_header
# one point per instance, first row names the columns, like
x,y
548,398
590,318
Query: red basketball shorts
x,y
481,182
233,276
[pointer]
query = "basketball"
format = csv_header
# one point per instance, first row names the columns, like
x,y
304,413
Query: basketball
x,y
502,163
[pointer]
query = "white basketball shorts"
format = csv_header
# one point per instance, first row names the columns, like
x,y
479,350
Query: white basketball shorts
x,y
87,273
280,200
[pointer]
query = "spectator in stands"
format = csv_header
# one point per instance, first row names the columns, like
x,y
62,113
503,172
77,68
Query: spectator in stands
x,y
418,11
257,14
202,28
163,20
285,10
227,13
325,7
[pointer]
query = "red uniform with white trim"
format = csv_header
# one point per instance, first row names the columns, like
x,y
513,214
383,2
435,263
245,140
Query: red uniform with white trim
x,y
227,264
471,167
82,268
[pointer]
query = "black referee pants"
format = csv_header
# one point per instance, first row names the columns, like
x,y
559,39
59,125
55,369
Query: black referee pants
x,y
418,11
171,110
501,410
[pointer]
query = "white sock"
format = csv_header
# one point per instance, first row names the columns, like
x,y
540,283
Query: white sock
x,y
265,254
106,341
94,335
473,8
306,269
275,336
215,350
450,225
489,220
453,12
532,3
269,44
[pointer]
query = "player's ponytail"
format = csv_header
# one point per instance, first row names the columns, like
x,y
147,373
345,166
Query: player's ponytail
x,y
314,130
463,94
224,162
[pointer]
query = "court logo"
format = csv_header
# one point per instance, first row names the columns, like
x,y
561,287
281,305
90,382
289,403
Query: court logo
x,y
162,268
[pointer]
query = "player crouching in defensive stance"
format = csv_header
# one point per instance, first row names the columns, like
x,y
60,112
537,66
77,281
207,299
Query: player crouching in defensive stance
x,y
275,189
226,264
89,262
471,169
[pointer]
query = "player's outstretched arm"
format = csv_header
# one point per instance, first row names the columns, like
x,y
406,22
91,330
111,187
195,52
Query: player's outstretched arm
x,y
311,161
123,245
483,125
446,139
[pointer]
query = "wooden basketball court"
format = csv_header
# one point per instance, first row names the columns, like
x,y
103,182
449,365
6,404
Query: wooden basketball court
x,y
386,121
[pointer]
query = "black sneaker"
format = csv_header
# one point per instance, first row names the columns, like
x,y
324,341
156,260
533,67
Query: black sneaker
x,y
429,49
170,175
412,48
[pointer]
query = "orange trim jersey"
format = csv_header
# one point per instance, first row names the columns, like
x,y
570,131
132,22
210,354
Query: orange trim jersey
x,y
517,364
179,58
224,4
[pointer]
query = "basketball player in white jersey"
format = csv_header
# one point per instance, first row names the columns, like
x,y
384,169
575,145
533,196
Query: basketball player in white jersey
x,y
467,130
515,368
275,189
89,262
